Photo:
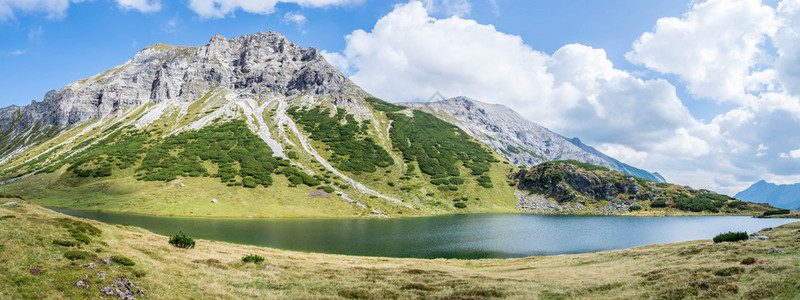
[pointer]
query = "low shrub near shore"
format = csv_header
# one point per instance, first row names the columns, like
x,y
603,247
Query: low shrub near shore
x,y
730,237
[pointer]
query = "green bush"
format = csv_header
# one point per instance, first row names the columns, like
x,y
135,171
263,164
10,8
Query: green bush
x,y
729,271
749,261
737,204
663,185
77,254
327,189
80,236
123,260
460,205
180,240
635,207
776,212
257,259
730,237
65,243
660,202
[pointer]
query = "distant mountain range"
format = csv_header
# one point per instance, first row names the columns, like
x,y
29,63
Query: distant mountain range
x,y
786,196
519,140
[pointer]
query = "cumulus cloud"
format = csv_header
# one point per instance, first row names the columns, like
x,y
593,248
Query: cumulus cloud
x,y
409,55
716,48
56,9
223,8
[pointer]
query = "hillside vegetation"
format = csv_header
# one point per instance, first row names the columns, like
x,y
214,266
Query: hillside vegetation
x,y
43,257
581,186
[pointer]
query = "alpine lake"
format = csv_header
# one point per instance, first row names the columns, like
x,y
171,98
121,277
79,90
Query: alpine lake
x,y
463,236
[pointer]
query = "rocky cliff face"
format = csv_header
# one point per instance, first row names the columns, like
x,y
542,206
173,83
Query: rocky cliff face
x,y
520,141
257,65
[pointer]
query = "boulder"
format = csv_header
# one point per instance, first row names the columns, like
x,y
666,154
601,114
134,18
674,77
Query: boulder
x,y
213,200
10,204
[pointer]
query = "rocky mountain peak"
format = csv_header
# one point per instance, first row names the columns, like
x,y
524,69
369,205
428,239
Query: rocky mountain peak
x,y
254,66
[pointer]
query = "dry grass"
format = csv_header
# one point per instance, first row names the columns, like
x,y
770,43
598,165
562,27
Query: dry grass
x,y
697,269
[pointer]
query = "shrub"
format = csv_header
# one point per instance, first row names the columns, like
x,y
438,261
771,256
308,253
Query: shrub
x,y
663,185
77,254
776,212
736,204
180,240
660,202
256,259
327,189
729,271
749,261
80,236
460,205
123,260
65,243
730,237
635,207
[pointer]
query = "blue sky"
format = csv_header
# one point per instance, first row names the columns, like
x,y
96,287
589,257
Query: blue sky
x,y
701,91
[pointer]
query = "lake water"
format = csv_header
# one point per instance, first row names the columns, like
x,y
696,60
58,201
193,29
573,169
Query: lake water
x,y
448,236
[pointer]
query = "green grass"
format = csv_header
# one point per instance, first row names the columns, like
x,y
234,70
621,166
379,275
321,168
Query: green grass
x,y
215,270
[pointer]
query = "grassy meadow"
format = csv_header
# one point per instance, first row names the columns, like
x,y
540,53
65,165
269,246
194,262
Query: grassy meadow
x,y
32,265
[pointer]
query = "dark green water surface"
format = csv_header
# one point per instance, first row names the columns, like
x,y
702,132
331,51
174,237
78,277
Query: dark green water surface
x,y
449,236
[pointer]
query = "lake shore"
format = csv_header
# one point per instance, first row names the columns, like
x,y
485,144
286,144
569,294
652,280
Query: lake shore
x,y
215,269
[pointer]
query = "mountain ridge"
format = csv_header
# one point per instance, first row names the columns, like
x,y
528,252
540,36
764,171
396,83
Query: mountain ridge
x,y
519,140
786,196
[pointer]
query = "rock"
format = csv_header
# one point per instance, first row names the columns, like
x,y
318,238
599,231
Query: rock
x,y
10,204
82,284
35,271
758,238
766,229
319,193
101,275
182,185
776,251
213,200
123,288
106,261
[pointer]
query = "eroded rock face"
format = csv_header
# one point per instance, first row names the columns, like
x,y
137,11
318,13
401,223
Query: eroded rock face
x,y
565,187
257,65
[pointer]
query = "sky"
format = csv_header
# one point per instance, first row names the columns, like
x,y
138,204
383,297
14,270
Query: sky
x,y
707,93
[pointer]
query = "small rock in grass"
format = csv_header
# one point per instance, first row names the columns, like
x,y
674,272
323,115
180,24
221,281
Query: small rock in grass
x,y
10,204
35,271
80,283
758,238
213,200
182,185
766,229
776,251
41,294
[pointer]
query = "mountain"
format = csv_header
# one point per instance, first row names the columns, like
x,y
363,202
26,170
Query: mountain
x,y
521,141
569,185
786,196
249,126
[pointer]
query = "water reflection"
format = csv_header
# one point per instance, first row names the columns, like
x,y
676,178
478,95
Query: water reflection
x,y
451,236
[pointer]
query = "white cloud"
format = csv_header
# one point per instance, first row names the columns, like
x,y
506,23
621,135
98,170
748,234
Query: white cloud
x,y
624,153
16,52
794,153
144,6
716,48
410,55
223,8
337,60
35,32
295,18
56,9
